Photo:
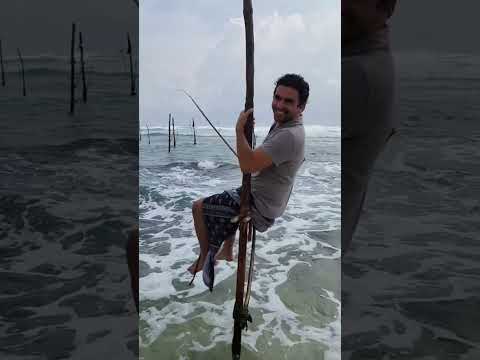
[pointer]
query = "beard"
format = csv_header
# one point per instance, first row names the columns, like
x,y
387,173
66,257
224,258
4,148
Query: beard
x,y
282,118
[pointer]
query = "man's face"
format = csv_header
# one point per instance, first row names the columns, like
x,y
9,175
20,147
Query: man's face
x,y
285,104
360,18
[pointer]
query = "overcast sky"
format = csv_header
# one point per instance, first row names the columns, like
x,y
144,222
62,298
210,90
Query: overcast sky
x,y
200,46
44,27
436,26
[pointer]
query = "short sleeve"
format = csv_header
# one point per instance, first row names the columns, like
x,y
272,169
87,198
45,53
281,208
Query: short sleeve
x,y
280,147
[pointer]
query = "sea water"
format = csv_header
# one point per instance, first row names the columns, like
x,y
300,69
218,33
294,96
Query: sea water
x,y
68,197
416,248
295,301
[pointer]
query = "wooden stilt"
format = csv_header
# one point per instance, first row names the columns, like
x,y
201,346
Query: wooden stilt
x,y
82,63
72,71
173,132
22,68
169,120
240,312
132,73
1,64
194,136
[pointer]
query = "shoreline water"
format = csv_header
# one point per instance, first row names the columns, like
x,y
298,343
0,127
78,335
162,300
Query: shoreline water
x,y
302,248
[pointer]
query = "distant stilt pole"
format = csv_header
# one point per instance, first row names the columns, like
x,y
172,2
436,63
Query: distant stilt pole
x,y
132,74
194,136
169,120
148,134
72,71
82,62
1,64
23,72
173,132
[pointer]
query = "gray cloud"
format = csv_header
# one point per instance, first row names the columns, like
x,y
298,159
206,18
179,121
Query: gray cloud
x,y
203,50
435,25
41,27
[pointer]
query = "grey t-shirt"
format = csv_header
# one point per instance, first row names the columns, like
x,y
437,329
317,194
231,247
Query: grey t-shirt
x,y
272,186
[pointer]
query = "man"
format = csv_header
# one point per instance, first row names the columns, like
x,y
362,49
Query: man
x,y
273,166
367,101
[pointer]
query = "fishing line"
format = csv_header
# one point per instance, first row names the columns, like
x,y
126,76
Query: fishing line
x,y
206,118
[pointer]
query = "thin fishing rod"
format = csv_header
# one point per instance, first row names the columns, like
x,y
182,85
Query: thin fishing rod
x,y
206,118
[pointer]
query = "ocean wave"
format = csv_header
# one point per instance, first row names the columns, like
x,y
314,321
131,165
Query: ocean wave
x,y
65,71
314,131
66,148
207,164
191,165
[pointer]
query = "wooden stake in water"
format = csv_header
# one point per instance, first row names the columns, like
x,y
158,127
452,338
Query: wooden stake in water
x,y
1,64
240,312
148,133
169,120
82,63
132,74
173,132
194,136
72,71
23,72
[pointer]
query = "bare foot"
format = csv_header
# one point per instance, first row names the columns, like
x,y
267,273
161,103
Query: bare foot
x,y
198,267
225,253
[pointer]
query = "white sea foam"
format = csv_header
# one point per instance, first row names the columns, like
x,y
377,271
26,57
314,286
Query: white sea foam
x,y
298,238
314,131
207,164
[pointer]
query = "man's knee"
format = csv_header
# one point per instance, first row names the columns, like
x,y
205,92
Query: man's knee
x,y
197,207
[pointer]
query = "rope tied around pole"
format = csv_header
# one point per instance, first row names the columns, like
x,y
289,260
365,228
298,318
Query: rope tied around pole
x,y
241,313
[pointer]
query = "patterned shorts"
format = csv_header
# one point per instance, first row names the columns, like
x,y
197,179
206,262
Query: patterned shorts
x,y
218,212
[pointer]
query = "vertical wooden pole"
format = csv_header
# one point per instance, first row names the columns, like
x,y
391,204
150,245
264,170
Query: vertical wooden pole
x,y
238,312
133,264
148,134
1,64
194,136
82,63
132,73
23,72
169,119
72,71
173,132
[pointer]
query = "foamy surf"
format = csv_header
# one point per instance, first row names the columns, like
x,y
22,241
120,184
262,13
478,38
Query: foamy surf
x,y
303,248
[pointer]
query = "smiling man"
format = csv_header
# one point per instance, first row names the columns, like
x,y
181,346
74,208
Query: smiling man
x,y
273,166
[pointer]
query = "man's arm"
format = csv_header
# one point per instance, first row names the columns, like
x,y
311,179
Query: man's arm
x,y
250,160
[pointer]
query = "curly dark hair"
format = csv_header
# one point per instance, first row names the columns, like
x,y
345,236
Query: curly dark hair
x,y
298,83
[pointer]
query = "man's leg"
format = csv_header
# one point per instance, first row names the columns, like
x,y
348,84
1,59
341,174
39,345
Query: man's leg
x,y
226,252
202,235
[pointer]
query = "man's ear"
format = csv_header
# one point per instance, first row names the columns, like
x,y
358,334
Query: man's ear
x,y
302,107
